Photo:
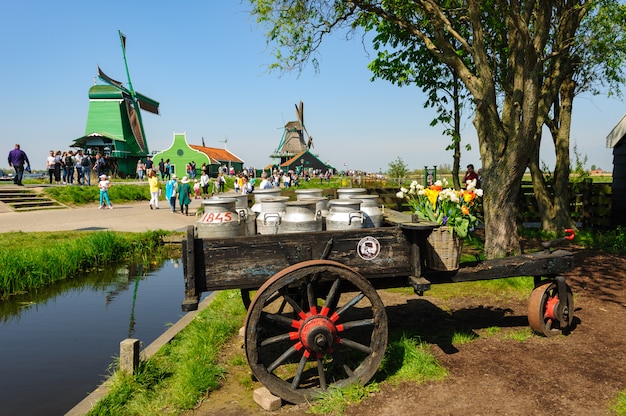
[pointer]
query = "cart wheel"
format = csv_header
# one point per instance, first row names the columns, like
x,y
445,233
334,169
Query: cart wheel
x,y
314,325
545,314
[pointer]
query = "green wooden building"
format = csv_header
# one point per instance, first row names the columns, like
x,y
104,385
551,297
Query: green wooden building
x,y
180,153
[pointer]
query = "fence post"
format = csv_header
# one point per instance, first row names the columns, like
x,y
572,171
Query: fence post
x,y
129,355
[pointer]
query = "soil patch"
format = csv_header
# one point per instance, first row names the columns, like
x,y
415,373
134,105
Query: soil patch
x,y
578,374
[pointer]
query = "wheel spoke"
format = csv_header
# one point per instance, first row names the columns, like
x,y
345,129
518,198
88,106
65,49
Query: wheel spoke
x,y
310,294
276,338
339,359
355,345
357,324
331,302
284,356
296,379
350,304
297,310
277,319
320,373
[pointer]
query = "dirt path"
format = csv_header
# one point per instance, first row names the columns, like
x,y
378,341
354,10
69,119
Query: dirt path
x,y
578,374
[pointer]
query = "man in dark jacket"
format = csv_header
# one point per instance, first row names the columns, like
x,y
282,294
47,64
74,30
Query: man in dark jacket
x,y
18,159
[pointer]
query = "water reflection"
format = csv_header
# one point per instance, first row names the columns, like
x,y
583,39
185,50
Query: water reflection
x,y
57,342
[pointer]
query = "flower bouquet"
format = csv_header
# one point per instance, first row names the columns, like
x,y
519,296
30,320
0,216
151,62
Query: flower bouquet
x,y
444,205
455,209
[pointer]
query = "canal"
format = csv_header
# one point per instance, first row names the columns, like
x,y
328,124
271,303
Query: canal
x,y
57,343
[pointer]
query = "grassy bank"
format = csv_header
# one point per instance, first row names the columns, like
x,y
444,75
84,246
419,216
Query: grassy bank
x,y
31,260
181,373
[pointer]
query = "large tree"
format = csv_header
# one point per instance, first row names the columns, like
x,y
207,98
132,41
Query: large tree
x,y
595,63
502,51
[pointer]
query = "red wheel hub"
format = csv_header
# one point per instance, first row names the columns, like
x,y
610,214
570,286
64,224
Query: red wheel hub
x,y
551,307
318,334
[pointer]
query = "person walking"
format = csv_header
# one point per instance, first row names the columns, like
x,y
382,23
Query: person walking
x,y
18,160
85,163
171,187
69,161
100,165
153,181
184,195
58,161
50,165
204,182
104,186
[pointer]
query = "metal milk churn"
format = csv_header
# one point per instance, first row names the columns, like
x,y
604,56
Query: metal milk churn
x,y
321,205
371,211
301,216
309,193
220,219
344,214
260,194
241,205
347,193
269,219
317,195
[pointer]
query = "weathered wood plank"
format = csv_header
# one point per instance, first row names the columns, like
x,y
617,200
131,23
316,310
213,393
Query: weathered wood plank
x,y
532,264
247,262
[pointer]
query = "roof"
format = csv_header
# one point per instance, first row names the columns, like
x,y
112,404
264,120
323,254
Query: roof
x,y
217,155
618,132
296,159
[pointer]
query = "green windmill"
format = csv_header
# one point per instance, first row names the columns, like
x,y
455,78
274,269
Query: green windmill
x,y
114,123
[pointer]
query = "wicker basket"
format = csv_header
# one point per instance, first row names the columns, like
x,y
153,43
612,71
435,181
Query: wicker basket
x,y
443,250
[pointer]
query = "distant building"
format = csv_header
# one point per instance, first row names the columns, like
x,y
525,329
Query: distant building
x,y
305,160
180,153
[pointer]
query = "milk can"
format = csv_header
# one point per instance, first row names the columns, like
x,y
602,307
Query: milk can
x,y
269,219
347,193
344,214
309,193
301,216
321,205
371,211
260,194
241,205
220,219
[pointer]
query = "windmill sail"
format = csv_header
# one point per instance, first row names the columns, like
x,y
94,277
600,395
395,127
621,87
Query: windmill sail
x,y
135,126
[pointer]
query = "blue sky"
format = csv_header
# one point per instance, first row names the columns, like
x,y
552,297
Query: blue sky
x,y
206,63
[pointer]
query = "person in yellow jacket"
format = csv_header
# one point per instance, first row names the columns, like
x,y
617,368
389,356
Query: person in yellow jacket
x,y
153,181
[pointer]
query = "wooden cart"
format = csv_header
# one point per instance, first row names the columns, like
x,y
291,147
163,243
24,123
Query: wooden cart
x,y
316,319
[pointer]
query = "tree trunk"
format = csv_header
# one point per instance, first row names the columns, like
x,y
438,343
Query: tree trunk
x,y
562,217
544,198
501,180
554,206
456,139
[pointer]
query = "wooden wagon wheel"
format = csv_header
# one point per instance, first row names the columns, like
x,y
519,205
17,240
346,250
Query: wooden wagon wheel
x,y
544,315
334,334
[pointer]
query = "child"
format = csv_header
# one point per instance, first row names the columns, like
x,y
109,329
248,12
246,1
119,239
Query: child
x,y
104,186
196,189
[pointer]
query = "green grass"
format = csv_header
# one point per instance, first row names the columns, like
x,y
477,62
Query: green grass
x,y
31,260
619,407
183,371
336,400
82,195
407,358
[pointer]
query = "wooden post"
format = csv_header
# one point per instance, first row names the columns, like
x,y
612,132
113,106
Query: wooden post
x,y
129,355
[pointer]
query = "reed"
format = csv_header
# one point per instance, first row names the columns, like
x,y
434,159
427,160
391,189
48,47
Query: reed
x,y
32,260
